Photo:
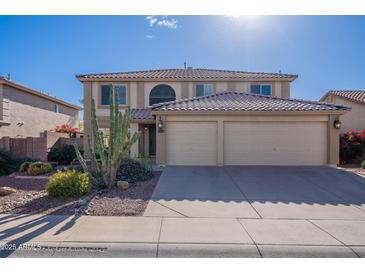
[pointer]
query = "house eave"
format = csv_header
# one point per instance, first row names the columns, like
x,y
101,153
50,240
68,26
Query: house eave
x,y
253,79
249,113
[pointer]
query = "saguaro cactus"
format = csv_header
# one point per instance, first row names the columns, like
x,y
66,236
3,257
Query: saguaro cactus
x,y
106,158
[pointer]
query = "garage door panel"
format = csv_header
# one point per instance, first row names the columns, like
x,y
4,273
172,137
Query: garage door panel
x,y
272,143
191,143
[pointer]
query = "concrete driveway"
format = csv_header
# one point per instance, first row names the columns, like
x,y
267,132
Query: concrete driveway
x,y
319,193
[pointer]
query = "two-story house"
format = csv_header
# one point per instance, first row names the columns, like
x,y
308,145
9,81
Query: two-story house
x,y
26,112
218,117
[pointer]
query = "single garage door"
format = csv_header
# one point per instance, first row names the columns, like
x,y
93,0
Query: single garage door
x,y
191,143
275,143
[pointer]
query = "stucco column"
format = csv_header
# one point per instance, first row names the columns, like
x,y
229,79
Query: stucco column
x,y
220,142
333,144
134,149
87,116
161,141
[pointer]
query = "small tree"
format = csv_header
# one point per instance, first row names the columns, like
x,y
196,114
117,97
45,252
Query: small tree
x,y
106,159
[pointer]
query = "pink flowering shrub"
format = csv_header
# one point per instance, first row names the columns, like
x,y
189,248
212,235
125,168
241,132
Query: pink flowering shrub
x,y
67,129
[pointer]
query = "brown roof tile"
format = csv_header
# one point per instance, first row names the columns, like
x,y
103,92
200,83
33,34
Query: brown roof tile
x,y
141,114
236,101
357,96
189,73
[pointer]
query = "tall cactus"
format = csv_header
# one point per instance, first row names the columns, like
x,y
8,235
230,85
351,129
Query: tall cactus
x,y
103,171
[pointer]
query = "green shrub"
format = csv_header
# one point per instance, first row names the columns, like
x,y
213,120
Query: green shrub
x,y
69,183
8,163
38,168
63,155
24,166
134,171
363,164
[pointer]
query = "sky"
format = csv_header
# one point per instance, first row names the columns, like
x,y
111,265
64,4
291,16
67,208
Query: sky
x,y
46,52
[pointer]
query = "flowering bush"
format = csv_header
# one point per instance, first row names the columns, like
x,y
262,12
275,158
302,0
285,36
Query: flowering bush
x,y
352,145
67,129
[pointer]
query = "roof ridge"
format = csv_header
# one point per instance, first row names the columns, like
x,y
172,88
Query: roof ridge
x,y
123,72
183,69
245,71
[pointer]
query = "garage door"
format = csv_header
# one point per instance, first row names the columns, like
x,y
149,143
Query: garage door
x,y
191,143
273,143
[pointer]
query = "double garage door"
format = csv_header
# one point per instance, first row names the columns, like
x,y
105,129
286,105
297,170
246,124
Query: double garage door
x,y
246,143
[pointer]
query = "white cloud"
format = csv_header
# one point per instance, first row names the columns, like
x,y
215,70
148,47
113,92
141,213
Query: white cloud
x,y
162,21
152,20
150,36
171,24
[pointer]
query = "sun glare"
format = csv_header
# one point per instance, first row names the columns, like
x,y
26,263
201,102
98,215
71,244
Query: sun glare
x,y
242,17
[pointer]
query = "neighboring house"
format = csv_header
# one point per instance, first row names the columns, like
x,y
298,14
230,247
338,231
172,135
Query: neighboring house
x,y
218,117
355,119
25,112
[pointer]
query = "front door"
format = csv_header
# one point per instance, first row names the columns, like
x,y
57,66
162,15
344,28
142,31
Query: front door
x,y
152,139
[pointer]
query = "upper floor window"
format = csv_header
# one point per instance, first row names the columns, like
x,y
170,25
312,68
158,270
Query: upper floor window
x,y
105,94
203,89
261,89
56,108
162,93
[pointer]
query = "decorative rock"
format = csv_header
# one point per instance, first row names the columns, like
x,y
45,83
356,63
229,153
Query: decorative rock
x,y
122,185
6,191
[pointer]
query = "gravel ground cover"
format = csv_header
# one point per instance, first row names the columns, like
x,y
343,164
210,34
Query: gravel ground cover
x,y
31,198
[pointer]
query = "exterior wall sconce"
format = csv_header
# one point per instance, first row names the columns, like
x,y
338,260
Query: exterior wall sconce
x,y
160,125
337,123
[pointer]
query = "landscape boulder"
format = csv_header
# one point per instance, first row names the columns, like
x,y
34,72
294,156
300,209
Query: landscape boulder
x,y
6,191
123,185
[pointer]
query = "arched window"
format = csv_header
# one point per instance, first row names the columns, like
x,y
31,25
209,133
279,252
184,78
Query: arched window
x,y
162,93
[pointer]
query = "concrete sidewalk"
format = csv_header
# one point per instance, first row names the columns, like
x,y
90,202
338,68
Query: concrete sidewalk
x,y
92,236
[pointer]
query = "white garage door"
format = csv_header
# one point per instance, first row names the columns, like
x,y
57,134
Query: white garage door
x,y
191,143
273,143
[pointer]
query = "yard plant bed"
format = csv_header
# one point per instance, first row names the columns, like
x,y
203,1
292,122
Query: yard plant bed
x,y
31,198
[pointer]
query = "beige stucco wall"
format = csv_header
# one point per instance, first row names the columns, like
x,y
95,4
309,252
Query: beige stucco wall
x,y
354,119
36,113
138,92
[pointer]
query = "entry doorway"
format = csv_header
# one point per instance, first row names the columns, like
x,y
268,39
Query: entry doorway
x,y
152,140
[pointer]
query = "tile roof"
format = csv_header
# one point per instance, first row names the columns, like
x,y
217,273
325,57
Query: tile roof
x,y
188,73
357,96
141,114
237,101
